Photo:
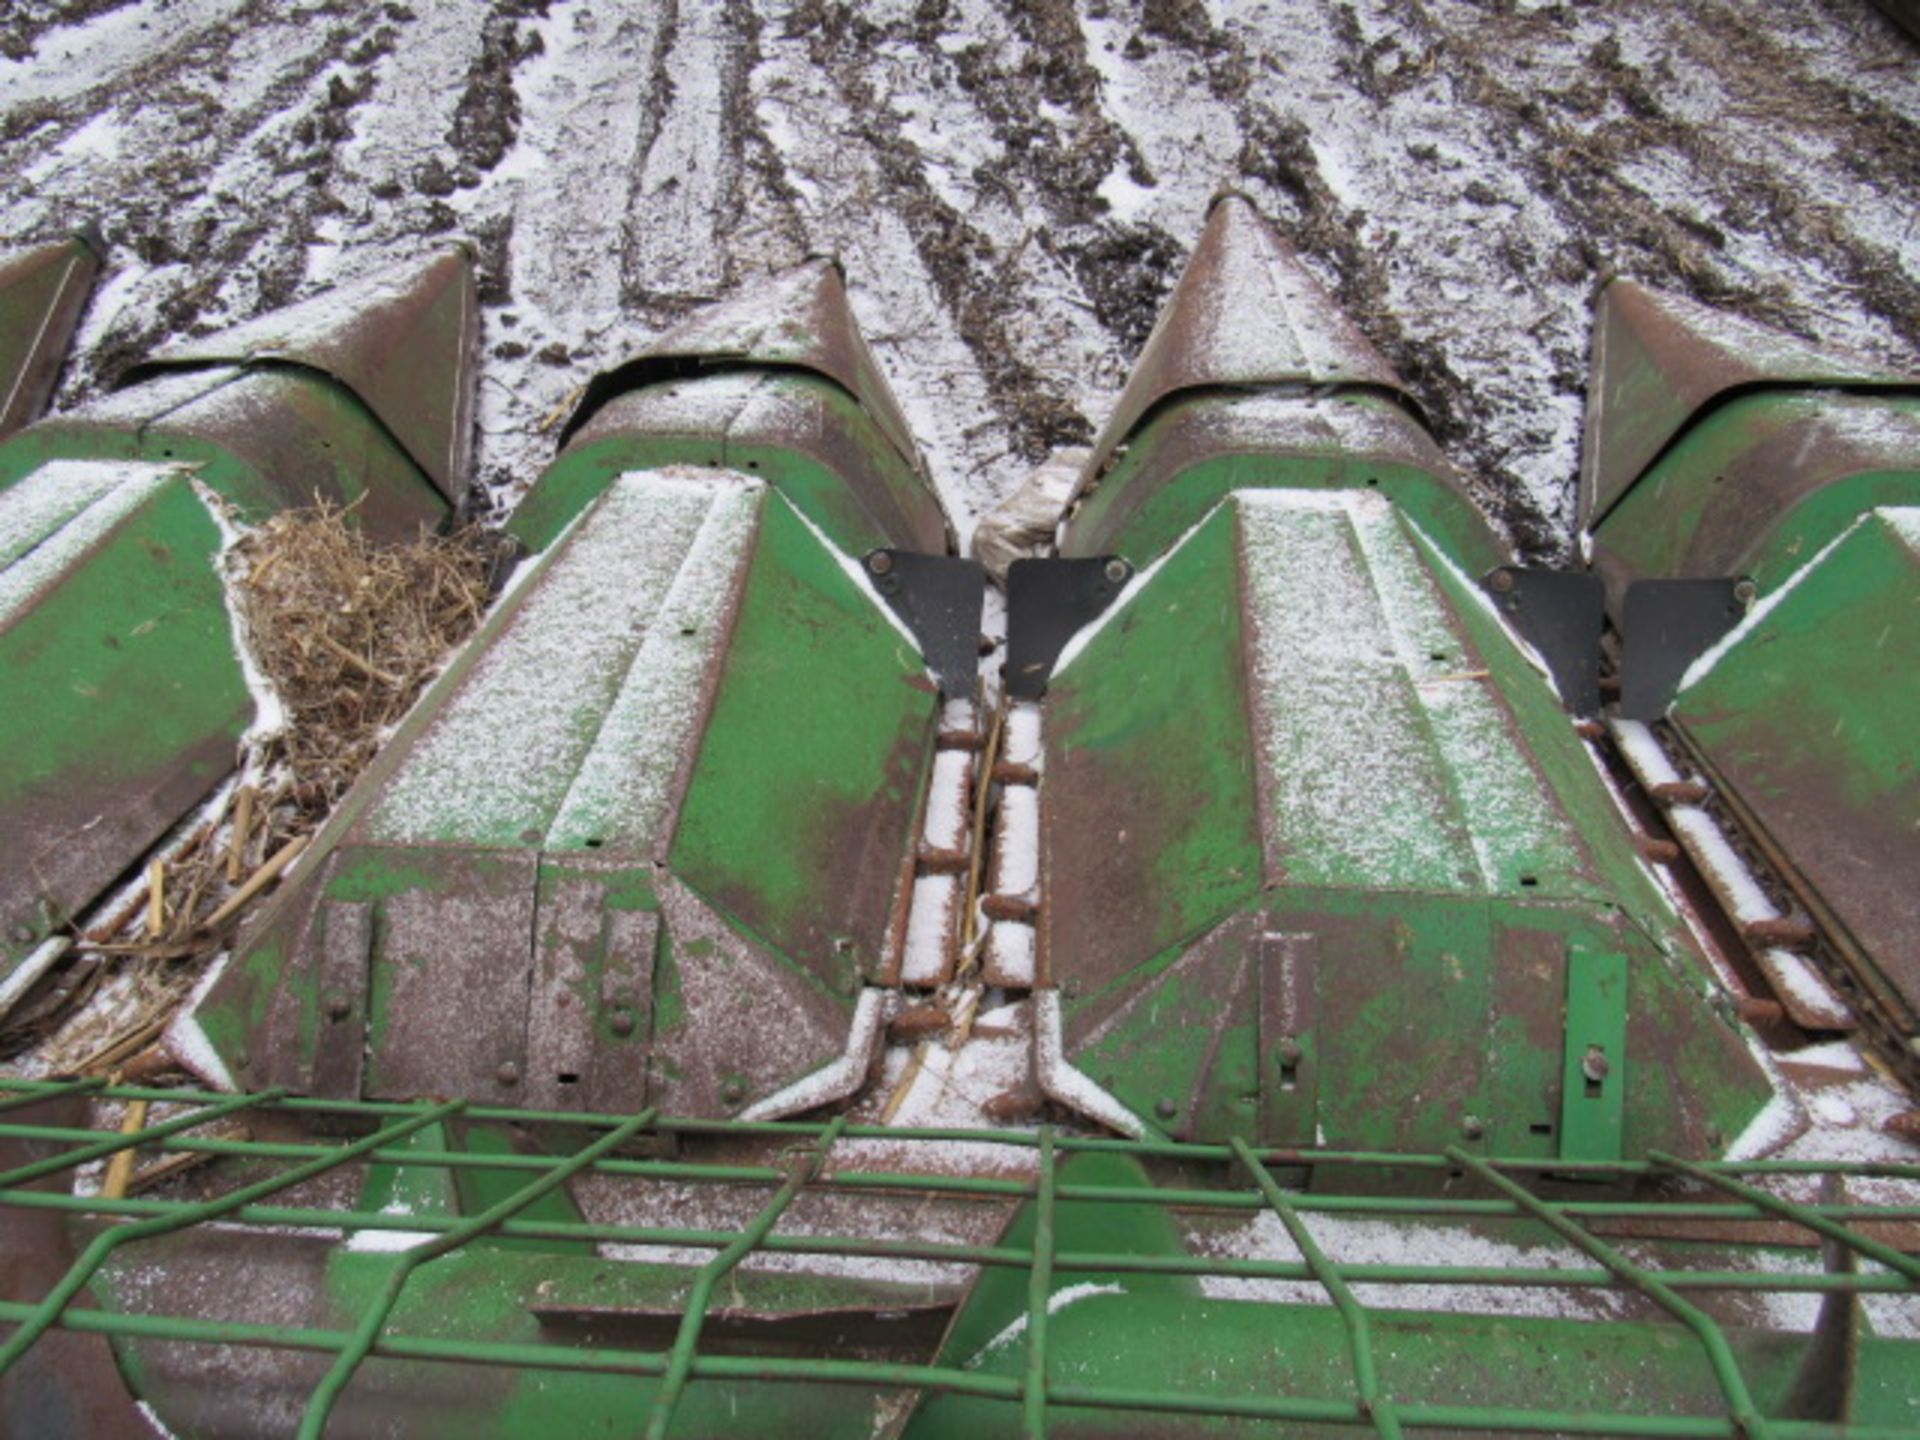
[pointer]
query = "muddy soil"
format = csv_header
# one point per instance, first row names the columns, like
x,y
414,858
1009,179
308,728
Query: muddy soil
x,y
1011,184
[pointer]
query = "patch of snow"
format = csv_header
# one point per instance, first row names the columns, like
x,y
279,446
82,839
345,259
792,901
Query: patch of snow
x,y
948,800
1060,1080
1016,859
59,512
28,971
933,920
1056,1302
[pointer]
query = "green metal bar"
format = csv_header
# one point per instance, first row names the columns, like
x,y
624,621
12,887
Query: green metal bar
x,y
987,1386
1033,1394
67,1087
680,1360
1177,1150
1800,1214
1746,1415
20,1175
106,1242
367,1333
1813,1282
1426,1208
1366,1377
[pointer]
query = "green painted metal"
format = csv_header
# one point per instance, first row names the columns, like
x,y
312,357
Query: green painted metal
x,y
130,647
1592,1088
1093,1265
823,712
127,697
1728,498
1807,719
651,431
586,784
1196,452
1304,870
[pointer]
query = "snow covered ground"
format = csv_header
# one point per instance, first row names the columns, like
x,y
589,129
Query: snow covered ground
x,y
1012,184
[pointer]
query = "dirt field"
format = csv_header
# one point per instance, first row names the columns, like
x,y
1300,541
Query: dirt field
x,y
1012,184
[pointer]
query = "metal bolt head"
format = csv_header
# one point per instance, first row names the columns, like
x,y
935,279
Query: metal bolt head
x,y
1165,1108
1472,1127
1500,582
621,1023
338,1007
508,1073
880,562
1289,1051
1594,1064
1116,570
1745,592
733,1091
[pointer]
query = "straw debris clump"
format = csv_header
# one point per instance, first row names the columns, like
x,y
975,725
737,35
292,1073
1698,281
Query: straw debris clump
x,y
348,632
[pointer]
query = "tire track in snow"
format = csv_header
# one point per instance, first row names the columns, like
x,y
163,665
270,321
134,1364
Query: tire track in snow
x,y
105,47
216,230
686,201
585,126
848,186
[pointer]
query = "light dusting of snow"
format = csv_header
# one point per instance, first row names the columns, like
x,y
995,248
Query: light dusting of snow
x,y
1388,759
64,508
542,690
622,791
1355,1240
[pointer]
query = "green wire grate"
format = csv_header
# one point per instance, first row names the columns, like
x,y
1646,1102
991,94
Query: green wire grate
x,y
1037,1393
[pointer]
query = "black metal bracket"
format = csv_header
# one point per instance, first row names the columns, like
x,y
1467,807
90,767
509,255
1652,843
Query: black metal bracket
x,y
940,600
1560,613
1048,602
1665,625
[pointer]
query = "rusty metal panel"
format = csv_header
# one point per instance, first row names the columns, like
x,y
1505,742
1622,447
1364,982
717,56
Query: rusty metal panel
x,y
1745,512
450,978
1659,360
590,1005
1200,447
42,294
757,421
734,1023
1289,964
1245,313
404,343
797,320
346,952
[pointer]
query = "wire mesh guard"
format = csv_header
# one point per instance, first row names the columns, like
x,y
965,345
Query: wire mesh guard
x,y
687,1276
